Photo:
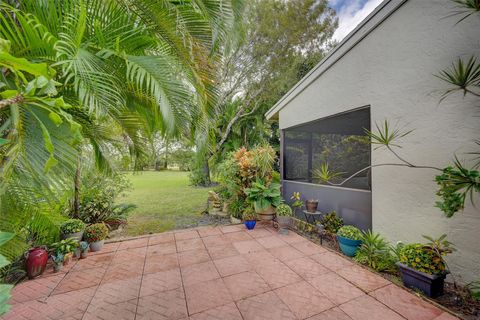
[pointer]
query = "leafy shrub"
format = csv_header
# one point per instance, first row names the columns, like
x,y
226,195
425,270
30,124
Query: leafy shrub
x,y
263,195
72,226
350,232
375,252
331,222
96,232
65,246
249,214
427,258
284,210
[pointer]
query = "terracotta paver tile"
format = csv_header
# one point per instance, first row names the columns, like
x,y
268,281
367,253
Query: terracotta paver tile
x,y
187,258
303,299
362,278
277,274
161,238
160,263
238,236
30,310
206,295
80,280
246,284
290,237
135,243
34,289
365,307
266,306
334,287
446,316
160,281
258,233
97,261
405,303
161,249
103,310
308,248
118,290
332,261
226,312
306,267
232,265
215,241
190,244
166,305
247,246
209,231
130,256
271,242
199,272
286,253
232,228
186,234
223,251
122,272
331,314
259,259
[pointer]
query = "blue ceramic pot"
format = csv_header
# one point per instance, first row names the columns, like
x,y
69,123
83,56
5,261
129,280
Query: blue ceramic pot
x,y
349,247
250,224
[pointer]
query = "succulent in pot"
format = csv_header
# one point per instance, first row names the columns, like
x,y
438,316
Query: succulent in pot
x,y
95,235
284,216
57,260
66,248
83,249
72,228
311,205
349,239
249,218
264,196
423,267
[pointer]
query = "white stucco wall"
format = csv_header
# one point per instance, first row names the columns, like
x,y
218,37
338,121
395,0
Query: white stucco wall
x,y
392,71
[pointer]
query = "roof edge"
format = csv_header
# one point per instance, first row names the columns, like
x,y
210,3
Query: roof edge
x,y
364,28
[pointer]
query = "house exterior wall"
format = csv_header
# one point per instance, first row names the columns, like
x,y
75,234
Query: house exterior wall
x,y
392,70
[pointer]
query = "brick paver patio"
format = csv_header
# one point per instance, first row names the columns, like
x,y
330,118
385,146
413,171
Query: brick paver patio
x,y
223,273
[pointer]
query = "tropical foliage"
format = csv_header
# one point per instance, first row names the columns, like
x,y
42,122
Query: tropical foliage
x,y
332,223
96,232
350,232
375,252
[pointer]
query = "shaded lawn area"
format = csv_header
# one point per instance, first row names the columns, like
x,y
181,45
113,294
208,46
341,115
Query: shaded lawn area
x,y
164,201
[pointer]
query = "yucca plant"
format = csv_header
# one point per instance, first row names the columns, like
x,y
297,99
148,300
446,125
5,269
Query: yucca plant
x,y
463,76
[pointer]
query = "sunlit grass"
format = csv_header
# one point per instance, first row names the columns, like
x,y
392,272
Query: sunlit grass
x,y
164,201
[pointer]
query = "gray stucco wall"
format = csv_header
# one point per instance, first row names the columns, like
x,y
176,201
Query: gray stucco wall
x,y
392,70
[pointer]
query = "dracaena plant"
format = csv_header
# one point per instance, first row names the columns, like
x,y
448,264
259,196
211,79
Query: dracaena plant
x,y
263,195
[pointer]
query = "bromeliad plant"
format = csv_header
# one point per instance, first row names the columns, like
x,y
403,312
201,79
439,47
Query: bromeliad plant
x,y
96,232
263,195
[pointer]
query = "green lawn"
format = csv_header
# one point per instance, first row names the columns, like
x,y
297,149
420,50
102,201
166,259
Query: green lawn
x,y
164,201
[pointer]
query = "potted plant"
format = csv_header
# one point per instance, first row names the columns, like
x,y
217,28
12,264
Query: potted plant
x,y
297,201
72,228
311,205
57,260
249,218
83,249
422,265
349,239
264,198
95,235
66,248
284,216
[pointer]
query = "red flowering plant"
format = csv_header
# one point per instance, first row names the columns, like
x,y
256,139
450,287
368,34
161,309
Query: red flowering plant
x,y
96,232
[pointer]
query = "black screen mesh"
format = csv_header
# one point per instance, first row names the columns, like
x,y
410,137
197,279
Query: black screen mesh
x,y
339,141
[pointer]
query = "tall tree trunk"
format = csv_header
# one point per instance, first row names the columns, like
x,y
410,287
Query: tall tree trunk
x,y
77,185
206,173
165,163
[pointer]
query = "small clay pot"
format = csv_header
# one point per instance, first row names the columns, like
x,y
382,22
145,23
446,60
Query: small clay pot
x,y
311,205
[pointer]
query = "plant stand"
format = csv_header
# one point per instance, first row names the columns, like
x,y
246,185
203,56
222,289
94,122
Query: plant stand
x,y
312,217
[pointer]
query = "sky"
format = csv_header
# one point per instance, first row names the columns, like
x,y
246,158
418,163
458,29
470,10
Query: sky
x,y
350,13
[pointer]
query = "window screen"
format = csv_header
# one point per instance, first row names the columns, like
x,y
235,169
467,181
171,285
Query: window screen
x,y
339,142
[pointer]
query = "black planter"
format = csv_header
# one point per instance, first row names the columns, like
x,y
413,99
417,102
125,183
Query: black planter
x,y
431,285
